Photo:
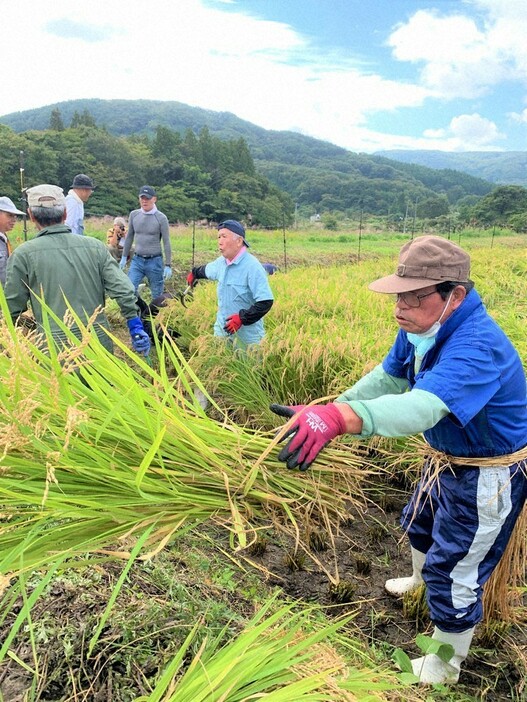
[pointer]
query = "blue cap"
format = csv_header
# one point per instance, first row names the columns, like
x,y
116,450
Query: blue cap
x,y
234,226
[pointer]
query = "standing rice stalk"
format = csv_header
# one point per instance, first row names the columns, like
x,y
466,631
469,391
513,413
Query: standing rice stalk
x,y
503,591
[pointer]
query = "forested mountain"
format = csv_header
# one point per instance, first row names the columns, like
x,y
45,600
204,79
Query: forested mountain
x,y
504,167
316,175
195,176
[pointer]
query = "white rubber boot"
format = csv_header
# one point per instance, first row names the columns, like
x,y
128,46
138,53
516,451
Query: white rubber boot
x,y
398,586
431,669
200,397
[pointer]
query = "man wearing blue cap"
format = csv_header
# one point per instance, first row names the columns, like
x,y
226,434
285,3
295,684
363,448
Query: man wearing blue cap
x,y
244,295
148,227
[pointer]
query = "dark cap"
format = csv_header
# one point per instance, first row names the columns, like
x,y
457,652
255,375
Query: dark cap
x,y
147,191
270,268
426,260
235,227
83,181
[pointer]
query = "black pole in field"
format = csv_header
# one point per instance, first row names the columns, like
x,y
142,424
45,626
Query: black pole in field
x,y
414,217
492,238
23,199
360,231
285,245
193,241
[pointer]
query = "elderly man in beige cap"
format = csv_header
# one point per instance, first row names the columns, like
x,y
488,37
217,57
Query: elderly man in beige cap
x,y
68,271
453,375
8,215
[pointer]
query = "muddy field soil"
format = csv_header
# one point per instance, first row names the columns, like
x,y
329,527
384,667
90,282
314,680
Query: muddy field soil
x,y
371,549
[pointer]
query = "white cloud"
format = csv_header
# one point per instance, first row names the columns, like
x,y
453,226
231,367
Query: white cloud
x,y
466,133
458,58
262,71
520,117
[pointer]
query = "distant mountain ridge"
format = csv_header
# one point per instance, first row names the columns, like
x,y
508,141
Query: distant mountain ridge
x,y
501,167
315,173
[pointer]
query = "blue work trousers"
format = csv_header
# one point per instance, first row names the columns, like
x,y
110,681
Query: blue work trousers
x,y
149,268
463,522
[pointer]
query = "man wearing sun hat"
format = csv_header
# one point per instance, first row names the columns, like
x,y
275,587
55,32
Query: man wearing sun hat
x,y
453,375
244,295
8,215
81,190
68,271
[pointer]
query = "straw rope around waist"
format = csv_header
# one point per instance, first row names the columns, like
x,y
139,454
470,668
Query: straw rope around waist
x,y
444,460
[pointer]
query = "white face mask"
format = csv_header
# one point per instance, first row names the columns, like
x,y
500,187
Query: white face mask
x,y
426,340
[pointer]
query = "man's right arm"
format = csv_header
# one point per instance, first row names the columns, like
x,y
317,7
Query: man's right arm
x,y
393,415
118,286
374,384
199,272
129,236
16,287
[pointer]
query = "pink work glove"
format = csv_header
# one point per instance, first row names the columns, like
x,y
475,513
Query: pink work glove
x,y
286,410
314,427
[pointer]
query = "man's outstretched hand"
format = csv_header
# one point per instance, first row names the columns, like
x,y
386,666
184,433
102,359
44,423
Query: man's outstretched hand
x,y
314,427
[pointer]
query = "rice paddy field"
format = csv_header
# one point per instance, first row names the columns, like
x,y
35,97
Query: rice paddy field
x,y
153,550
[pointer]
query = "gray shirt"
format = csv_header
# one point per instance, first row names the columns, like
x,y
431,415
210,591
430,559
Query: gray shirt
x,y
148,231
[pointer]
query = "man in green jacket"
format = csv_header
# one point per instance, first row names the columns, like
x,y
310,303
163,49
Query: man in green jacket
x,y
67,270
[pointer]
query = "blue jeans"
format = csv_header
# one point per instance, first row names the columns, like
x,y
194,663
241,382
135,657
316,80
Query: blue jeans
x,y
149,268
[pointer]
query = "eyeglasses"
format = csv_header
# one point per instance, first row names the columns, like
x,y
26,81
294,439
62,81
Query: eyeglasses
x,y
412,299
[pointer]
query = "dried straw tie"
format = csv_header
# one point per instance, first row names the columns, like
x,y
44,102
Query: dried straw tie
x,y
502,593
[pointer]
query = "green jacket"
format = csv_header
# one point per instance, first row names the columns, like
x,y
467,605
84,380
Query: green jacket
x,y
59,266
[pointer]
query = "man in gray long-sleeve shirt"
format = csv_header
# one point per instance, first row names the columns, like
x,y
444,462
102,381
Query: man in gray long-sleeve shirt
x,y
148,227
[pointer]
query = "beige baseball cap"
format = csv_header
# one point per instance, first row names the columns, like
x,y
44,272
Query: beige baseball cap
x,y
45,196
423,261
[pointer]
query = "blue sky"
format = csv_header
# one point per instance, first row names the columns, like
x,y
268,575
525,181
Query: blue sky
x,y
366,75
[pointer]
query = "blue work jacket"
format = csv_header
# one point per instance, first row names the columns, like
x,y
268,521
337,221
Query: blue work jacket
x,y
476,371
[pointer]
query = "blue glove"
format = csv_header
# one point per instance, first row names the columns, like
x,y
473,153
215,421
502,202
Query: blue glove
x,y
167,273
122,262
140,339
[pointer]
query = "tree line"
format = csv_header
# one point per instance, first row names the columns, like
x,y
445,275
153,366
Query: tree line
x,y
195,176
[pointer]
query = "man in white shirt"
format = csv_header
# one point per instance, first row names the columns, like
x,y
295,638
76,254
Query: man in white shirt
x,y
81,189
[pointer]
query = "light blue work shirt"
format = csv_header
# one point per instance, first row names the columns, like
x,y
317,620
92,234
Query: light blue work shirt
x,y
241,283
